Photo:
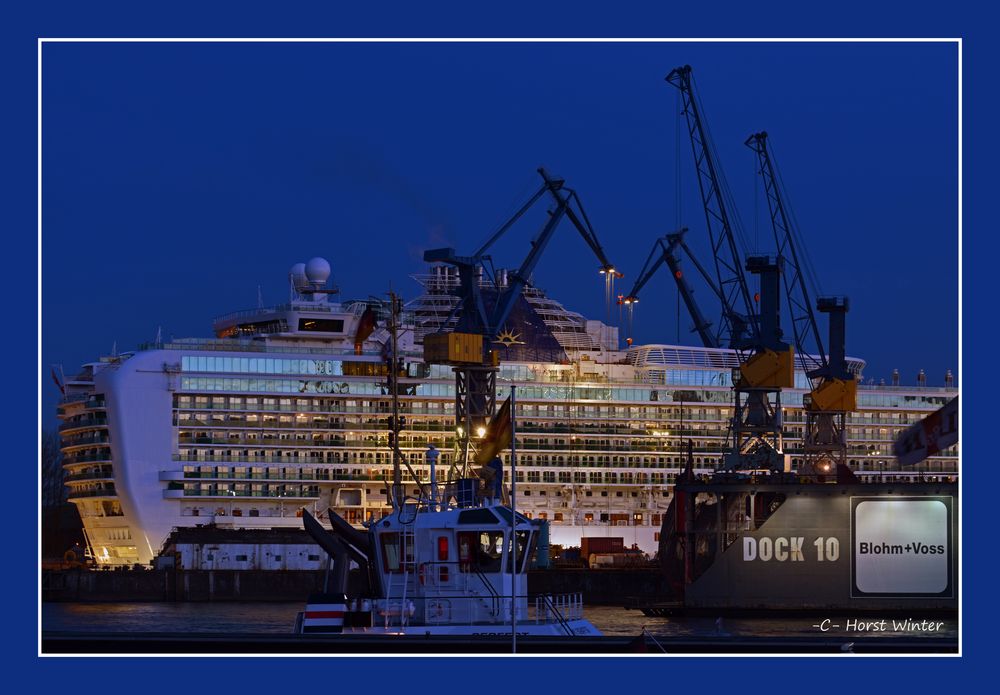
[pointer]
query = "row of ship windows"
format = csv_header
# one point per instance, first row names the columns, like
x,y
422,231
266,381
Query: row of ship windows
x,y
447,407
335,474
380,438
381,421
539,392
304,367
358,516
376,465
595,439
261,457
574,423
322,423
536,392
521,373
275,489
419,370
709,440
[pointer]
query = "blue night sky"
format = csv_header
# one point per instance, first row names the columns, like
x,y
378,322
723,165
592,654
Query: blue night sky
x,y
179,177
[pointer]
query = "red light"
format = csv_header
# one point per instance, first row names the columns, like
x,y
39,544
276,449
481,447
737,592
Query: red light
x,y
442,548
628,340
756,297
678,274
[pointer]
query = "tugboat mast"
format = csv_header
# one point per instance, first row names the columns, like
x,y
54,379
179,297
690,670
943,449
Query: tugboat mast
x,y
393,363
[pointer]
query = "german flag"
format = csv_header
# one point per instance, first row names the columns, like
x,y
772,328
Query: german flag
x,y
497,437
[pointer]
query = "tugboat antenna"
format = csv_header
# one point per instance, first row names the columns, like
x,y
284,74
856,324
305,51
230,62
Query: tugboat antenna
x,y
394,364
393,374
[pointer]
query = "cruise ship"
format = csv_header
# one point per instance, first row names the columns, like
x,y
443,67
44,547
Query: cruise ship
x,y
287,408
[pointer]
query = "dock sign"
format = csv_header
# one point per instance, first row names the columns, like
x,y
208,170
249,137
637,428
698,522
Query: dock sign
x,y
902,547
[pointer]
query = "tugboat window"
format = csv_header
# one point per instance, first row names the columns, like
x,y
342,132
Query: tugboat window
x,y
480,550
490,551
390,552
525,548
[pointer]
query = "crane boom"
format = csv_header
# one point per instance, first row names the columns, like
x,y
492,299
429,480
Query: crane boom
x,y
475,316
834,389
468,348
796,291
665,251
737,312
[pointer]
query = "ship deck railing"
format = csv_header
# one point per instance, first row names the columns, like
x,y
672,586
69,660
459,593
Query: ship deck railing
x,y
469,598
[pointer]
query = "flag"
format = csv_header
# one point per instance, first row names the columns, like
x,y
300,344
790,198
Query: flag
x,y
366,326
55,378
497,437
929,436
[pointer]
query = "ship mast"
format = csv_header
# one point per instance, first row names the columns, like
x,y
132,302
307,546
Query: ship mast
x,y
392,370
394,365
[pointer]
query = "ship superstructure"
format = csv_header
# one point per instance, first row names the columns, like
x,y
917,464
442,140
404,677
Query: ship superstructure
x,y
288,407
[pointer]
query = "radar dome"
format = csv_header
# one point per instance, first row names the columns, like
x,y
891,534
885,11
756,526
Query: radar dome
x,y
318,271
298,273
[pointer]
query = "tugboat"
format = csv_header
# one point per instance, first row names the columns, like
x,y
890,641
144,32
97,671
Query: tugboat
x,y
430,568
448,563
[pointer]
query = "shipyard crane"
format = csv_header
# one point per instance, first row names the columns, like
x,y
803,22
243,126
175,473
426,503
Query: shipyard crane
x,y
737,308
664,251
470,348
834,388
766,361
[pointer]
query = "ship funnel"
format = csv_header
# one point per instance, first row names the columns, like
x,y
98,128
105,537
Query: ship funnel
x,y
895,377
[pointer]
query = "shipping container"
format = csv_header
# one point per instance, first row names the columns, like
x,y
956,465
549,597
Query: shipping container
x,y
601,545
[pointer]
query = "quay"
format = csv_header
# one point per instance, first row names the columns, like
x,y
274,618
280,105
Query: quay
x,y
599,587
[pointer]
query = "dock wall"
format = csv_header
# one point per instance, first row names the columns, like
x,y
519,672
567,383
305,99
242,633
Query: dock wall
x,y
599,587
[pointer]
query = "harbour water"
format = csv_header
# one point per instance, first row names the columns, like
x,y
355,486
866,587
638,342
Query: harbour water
x,y
271,618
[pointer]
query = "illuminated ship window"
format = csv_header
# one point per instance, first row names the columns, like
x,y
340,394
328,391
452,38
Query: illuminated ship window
x,y
322,325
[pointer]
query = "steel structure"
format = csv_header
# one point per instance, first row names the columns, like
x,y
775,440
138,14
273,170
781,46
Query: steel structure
x,y
482,318
664,251
737,308
766,361
834,390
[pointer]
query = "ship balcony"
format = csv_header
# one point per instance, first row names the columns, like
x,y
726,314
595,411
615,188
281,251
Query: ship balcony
x,y
102,474
108,492
565,426
658,444
83,424
305,474
103,457
232,495
86,440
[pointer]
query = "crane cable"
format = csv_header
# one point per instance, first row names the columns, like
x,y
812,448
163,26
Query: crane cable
x,y
736,230
808,269
677,159
736,223
677,190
